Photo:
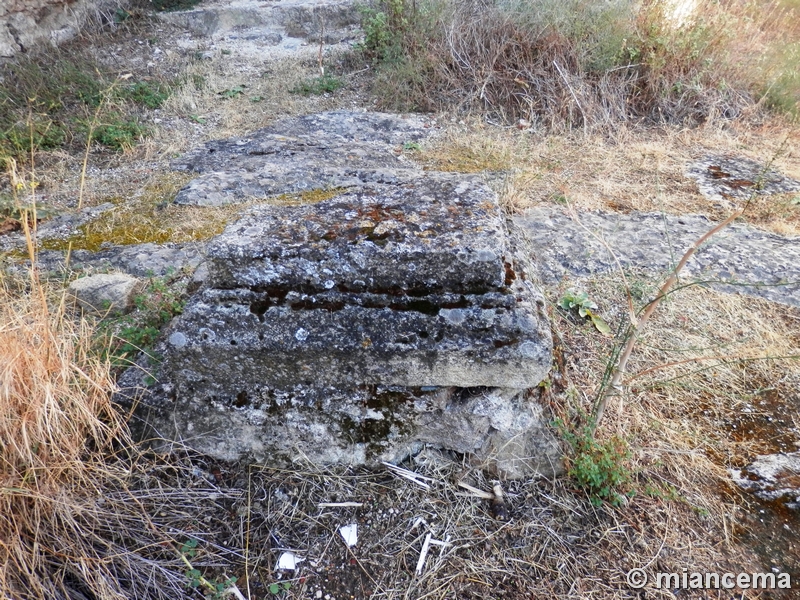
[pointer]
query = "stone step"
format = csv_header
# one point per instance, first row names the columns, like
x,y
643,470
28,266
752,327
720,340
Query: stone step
x,y
235,345
442,233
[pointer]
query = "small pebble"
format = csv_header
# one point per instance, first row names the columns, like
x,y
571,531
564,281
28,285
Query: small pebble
x,y
318,594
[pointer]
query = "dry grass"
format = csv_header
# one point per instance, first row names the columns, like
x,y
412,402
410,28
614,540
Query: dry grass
x,y
565,65
82,513
635,170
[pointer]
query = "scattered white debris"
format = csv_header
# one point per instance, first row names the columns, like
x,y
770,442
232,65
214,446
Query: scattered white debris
x,y
423,554
410,475
350,534
289,561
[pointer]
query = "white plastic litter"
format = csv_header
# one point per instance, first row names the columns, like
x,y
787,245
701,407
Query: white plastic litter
x,y
350,534
288,560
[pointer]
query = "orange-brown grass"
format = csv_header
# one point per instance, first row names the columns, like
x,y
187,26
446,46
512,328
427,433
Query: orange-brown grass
x,y
56,421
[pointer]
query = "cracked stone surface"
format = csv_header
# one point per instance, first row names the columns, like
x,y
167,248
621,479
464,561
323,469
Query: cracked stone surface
x,y
738,259
339,149
737,178
378,238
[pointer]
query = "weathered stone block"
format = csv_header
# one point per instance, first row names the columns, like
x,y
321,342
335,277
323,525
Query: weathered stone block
x,y
443,233
501,428
361,328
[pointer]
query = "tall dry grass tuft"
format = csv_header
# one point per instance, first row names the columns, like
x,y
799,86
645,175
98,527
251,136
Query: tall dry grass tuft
x,y
591,66
56,424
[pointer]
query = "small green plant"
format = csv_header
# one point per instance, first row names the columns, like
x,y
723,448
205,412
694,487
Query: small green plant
x,y
138,331
197,119
326,84
412,147
232,93
277,589
146,93
598,467
195,579
384,28
118,132
121,15
579,301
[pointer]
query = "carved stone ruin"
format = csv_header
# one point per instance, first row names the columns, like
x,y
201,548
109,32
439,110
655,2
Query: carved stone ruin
x,y
397,313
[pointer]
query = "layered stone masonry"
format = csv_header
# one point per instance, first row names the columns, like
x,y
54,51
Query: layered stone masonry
x,y
362,327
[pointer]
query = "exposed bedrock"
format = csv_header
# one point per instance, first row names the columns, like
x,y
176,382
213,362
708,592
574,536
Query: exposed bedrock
x,y
363,327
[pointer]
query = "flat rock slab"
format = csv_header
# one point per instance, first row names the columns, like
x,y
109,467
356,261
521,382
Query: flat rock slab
x,y
738,259
380,239
339,149
140,260
737,178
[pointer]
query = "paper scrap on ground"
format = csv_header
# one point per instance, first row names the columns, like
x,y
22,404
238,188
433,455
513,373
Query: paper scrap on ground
x,y
350,534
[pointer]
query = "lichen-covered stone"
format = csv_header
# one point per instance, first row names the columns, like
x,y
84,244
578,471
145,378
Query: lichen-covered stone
x,y
396,314
737,178
443,233
226,345
501,429
105,293
739,259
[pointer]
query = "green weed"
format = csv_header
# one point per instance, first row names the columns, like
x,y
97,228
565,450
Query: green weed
x,y
147,93
277,589
119,132
45,105
122,338
232,92
585,308
195,579
326,84
598,467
